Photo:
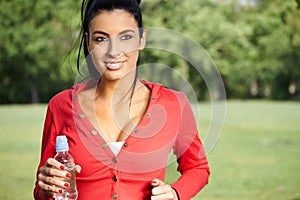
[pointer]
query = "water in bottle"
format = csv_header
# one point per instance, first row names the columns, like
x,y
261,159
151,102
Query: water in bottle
x,y
63,156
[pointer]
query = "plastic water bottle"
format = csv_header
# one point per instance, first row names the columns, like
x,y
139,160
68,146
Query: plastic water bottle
x,y
63,156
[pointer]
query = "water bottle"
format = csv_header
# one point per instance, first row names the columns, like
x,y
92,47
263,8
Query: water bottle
x,y
63,156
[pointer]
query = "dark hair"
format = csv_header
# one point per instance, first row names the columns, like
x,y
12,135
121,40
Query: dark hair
x,y
90,8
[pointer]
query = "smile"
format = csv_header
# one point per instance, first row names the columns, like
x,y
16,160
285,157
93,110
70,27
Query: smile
x,y
114,65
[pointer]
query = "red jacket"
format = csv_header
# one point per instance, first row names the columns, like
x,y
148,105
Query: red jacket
x,y
168,125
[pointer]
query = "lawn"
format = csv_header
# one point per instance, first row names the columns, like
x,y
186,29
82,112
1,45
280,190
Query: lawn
x,y
257,156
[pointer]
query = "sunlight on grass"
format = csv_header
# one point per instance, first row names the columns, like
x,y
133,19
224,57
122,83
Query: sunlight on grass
x,y
256,157
20,128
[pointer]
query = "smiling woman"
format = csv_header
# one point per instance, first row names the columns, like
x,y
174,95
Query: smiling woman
x,y
120,129
114,49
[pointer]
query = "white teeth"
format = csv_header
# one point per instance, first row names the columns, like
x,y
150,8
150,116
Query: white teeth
x,y
114,65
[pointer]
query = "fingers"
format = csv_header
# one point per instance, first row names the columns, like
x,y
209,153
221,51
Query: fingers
x,y
156,182
162,191
166,196
51,162
77,169
52,179
51,172
49,190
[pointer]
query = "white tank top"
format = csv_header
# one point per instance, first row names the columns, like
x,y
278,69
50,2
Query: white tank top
x,y
116,146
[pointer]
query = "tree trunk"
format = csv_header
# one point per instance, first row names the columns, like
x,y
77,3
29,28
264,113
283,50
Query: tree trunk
x,y
33,90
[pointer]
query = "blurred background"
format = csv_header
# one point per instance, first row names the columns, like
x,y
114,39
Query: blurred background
x,y
254,43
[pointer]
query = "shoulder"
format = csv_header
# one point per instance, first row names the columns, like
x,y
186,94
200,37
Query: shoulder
x,y
61,98
174,97
64,98
160,88
165,94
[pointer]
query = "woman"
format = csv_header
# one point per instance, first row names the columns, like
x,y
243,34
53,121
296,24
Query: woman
x,y
120,129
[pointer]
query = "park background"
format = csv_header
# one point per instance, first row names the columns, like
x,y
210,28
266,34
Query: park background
x,y
254,43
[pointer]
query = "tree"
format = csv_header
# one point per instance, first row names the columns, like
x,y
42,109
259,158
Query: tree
x,y
275,33
254,43
35,38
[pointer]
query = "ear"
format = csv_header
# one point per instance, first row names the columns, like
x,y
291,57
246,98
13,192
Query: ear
x,y
87,40
143,40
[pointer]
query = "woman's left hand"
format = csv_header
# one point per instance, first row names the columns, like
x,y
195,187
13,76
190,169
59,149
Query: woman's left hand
x,y
162,191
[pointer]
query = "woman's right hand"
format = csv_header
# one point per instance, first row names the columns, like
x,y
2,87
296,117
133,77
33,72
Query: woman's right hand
x,y
52,178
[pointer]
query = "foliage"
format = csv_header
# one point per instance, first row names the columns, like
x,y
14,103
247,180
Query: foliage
x,y
254,43
35,38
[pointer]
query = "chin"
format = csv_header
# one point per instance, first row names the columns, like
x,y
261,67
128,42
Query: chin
x,y
119,75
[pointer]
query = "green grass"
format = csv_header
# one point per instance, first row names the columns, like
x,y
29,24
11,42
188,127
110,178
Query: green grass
x,y
257,156
20,129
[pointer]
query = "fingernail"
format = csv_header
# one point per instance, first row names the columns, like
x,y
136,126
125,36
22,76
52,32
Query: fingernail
x,y
60,191
66,184
68,175
62,167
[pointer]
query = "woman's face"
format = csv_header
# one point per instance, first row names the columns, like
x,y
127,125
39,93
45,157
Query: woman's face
x,y
114,43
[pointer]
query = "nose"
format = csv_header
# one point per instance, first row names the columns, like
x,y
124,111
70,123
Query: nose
x,y
114,49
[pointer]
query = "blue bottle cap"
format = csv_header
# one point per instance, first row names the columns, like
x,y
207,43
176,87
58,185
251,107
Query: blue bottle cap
x,y
62,143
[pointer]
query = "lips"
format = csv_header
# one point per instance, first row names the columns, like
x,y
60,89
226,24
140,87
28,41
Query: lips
x,y
114,65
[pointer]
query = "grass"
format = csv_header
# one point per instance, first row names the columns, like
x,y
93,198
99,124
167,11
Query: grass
x,y
256,157
20,129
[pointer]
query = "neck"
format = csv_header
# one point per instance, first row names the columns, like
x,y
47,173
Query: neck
x,y
115,91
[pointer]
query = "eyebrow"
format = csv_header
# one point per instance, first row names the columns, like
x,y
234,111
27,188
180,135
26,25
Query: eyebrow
x,y
126,31
106,34
100,32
